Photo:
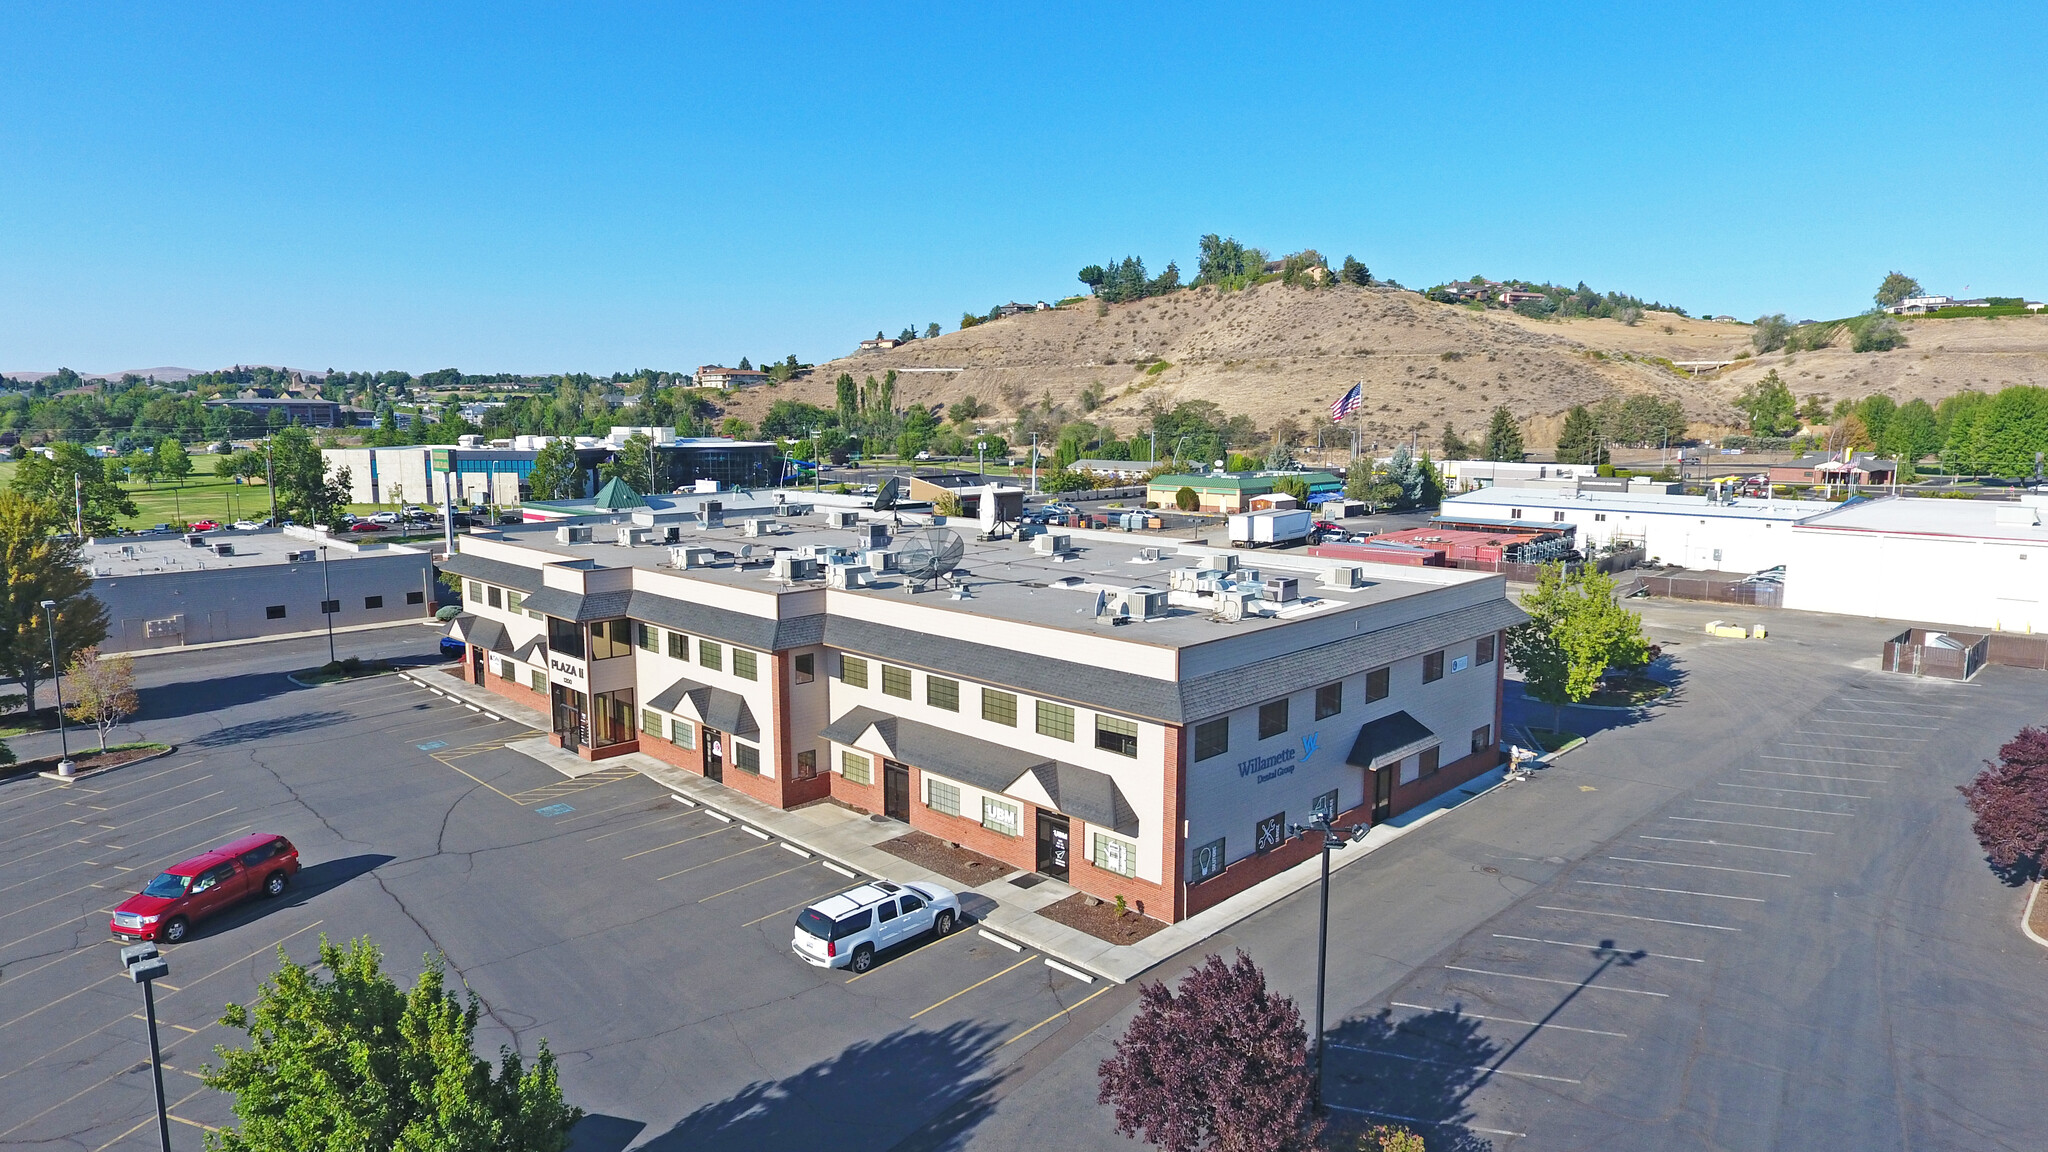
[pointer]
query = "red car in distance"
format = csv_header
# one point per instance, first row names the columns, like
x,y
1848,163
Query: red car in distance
x,y
206,526
186,893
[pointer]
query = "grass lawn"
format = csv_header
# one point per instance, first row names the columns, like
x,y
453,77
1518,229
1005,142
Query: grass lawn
x,y
1627,692
1553,740
200,497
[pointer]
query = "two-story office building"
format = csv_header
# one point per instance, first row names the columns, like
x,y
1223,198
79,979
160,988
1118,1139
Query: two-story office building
x,y
1143,721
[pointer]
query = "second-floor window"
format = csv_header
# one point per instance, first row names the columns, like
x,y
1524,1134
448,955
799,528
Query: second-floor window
x,y
610,638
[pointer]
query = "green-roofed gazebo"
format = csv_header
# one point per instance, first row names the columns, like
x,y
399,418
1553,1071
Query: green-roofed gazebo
x,y
617,496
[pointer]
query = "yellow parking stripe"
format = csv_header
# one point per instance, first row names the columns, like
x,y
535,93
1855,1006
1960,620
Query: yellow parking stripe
x,y
973,986
709,863
1058,1014
751,883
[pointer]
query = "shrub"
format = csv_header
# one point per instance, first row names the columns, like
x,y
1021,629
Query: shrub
x,y
1186,500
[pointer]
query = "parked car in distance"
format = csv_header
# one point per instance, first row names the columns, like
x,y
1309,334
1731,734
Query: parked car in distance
x,y
848,930
453,648
188,892
206,526
247,525
384,517
366,526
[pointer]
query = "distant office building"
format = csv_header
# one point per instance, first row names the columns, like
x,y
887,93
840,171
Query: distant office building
x,y
714,376
170,590
311,413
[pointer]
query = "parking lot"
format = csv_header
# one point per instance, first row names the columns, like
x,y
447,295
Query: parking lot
x,y
647,942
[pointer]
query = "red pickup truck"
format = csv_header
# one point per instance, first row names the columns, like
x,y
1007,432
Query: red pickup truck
x,y
186,893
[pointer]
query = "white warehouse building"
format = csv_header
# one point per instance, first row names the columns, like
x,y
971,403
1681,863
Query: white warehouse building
x,y
1966,563
1699,532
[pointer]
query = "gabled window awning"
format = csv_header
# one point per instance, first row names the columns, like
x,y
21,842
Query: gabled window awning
x,y
1389,739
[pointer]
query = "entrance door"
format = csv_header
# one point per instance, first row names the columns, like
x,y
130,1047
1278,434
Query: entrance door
x,y
1052,844
476,660
568,709
714,754
1383,793
896,790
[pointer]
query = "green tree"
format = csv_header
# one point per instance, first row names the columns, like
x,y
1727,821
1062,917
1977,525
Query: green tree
x,y
1581,441
170,460
1770,332
1187,499
1769,406
51,480
632,464
1352,272
1896,287
38,565
1877,334
931,331
1227,264
306,493
1454,446
556,475
1092,276
2009,429
1576,632
1503,437
347,1060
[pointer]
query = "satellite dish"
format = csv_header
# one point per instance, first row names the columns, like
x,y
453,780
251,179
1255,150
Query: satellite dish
x,y
746,551
931,555
886,495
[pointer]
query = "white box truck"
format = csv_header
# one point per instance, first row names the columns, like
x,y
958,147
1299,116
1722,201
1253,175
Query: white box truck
x,y
1274,526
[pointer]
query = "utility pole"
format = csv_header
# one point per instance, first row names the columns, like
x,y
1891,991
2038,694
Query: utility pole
x,y
327,604
270,478
64,766
1034,463
77,506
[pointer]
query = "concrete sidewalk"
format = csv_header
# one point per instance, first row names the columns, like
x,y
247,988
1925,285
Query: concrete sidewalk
x,y
1000,908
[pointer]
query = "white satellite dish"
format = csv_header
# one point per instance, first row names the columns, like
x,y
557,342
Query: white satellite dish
x,y
930,556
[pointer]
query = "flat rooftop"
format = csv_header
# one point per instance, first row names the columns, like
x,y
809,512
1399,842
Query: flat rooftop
x,y
2025,520
168,552
1646,503
1007,579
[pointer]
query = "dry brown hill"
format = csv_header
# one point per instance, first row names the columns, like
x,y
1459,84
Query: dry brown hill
x,y
1275,353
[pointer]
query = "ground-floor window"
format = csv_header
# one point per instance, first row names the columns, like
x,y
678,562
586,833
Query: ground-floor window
x,y
612,719
746,757
682,733
856,768
649,721
1207,860
807,764
1427,765
942,797
999,816
1114,855
537,680
1482,738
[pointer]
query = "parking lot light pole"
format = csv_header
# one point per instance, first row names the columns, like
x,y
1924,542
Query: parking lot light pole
x,y
327,604
145,967
64,764
1333,838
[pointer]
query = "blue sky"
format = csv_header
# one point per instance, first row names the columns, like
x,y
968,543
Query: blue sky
x,y
612,186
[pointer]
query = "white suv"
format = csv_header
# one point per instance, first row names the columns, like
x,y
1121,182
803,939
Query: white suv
x,y
847,930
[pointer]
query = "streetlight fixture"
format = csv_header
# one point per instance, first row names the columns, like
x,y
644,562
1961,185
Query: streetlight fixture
x,y
64,765
1333,838
327,604
145,967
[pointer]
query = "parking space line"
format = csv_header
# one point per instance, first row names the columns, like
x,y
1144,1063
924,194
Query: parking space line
x,y
1794,791
631,827
1740,824
270,947
973,986
1577,944
59,1000
94,832
1550,980
1842,763
1875,724
1509,1020
1670,891
106,809
1772,807
1706,867
1448,1064
751,883
145,1120
125,870
47,875
673,843
1628,916
1854,736
709,863
1814,775
1419,1120
1726,844
1062,1012
792,908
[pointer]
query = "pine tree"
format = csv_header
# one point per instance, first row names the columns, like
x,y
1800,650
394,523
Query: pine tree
x,y
1580,442
1504,437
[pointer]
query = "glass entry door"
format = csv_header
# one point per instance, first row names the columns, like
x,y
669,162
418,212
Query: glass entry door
x,y
1052,844
714,754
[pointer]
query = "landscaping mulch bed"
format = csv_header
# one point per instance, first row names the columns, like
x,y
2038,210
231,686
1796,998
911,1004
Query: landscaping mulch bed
x,y
955,863
1099,919
340,670
113,758
1627,692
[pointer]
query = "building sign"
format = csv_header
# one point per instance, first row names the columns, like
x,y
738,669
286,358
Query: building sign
x,y
1272,832
440,460
1265,769
566,669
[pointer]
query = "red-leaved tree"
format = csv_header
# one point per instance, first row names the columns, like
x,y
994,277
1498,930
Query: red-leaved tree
x,y
2010,801
1223,1065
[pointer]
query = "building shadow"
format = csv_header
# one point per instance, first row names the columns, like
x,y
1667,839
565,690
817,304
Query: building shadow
x,y
923,1091
1417,1071
601,1133
312,880
267,729
185,697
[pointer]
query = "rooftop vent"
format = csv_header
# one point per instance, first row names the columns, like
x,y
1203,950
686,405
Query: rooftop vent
x,y
1052,543
691,557
790,568
573,534
844,576
223,548
1344,576
195,540
842,518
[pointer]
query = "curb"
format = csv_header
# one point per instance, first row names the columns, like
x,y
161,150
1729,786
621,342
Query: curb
x,y
173,649
294,678
52,775
2027,915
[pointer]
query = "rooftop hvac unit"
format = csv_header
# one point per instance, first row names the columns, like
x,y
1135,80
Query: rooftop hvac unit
x,y
303,556
573,534
629,537
712,514
878,560
845,576
223,548
842,518
1203,580
195,540
691,557
1148,555
1052,543
1138,603
790,568
1223,563
1344,576
759,526
878,535
671,533
1237,603
1282,589
793,510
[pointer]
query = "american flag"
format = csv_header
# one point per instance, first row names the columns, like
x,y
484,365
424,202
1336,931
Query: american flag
x,y
1346,404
